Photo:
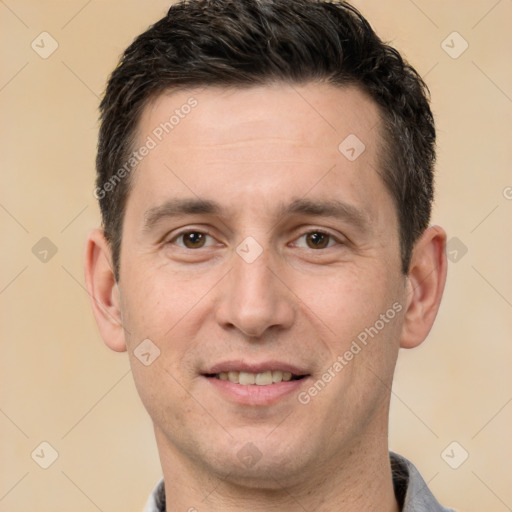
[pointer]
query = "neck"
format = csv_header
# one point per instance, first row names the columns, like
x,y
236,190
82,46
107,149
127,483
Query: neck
x,y
359,479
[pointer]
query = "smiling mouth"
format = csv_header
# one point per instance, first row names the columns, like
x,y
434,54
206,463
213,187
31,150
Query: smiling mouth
x,y
256,379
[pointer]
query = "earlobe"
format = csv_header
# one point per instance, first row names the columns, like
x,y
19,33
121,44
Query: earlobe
x,y
425,285
103,290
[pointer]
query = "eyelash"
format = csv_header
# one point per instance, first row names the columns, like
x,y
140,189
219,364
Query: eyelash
x,y
331,237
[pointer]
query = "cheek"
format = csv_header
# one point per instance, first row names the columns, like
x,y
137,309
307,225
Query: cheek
x,y
156,303
348,300
359,315
169,310
160,392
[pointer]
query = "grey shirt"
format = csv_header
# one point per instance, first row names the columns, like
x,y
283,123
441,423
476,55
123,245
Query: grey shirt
x,y
411,491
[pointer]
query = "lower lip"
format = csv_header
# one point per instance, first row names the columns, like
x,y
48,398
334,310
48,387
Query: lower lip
x,y
254,394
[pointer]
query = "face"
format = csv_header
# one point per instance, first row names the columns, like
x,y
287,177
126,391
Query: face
x,y
255,247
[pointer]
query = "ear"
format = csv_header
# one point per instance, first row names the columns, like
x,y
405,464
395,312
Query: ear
x,y
103,290
425,285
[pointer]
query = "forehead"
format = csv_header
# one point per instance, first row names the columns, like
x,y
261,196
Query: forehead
x,y
311,113
261,143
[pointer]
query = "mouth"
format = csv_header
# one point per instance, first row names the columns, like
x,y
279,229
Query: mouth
x,y
255,384
264,378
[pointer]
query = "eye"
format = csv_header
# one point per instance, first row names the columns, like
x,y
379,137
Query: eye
x,y
192,240
316,240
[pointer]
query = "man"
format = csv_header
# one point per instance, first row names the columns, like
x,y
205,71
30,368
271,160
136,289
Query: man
x,y
265,175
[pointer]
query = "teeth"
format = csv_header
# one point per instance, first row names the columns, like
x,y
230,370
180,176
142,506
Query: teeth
x,y
259,379
233,377
277,376
263,379
246,378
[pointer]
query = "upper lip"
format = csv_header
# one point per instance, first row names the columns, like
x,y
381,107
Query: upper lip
x,y
254,367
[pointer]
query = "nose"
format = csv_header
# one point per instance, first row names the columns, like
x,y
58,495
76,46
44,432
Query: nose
x,y
254,298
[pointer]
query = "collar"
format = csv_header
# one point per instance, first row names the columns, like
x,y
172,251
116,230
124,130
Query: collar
x,y
411,491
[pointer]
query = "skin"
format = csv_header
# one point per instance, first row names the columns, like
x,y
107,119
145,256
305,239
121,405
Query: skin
x,y
254,152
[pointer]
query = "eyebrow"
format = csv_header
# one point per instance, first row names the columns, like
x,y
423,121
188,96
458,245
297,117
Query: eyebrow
x,y
195,206
179,207
327,208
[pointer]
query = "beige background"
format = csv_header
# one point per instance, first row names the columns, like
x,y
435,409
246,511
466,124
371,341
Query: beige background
x,y
60,384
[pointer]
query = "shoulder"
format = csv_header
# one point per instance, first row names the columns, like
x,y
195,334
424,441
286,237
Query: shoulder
x,y
156,500
411,490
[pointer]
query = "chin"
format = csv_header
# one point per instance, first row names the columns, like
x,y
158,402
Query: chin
x,y
260,464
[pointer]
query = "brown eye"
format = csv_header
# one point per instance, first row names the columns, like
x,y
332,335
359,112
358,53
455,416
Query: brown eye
x,y
317,240
193,239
